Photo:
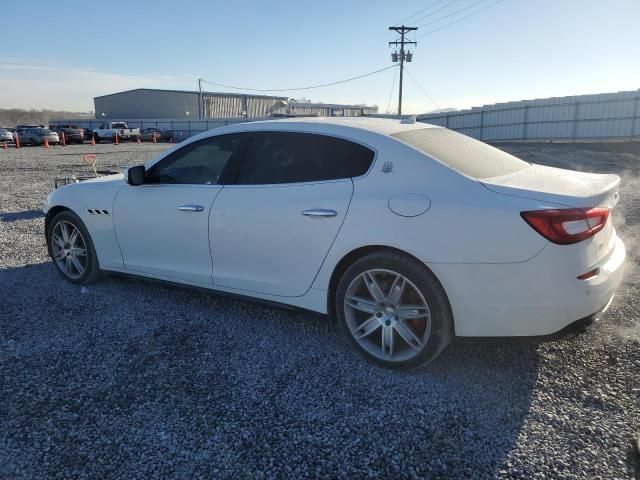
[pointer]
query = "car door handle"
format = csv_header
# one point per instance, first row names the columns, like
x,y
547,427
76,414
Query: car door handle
x,y
319,212
191,208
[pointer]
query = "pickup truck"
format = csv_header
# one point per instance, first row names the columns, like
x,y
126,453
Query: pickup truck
x,y
108,130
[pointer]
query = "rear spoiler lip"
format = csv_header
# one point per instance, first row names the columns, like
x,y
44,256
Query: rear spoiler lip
x,y
608,197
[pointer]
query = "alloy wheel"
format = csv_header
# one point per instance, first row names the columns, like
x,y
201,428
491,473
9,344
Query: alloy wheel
x,y
387,315
69,249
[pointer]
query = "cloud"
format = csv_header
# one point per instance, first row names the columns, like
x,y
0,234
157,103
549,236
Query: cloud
x,y
42,86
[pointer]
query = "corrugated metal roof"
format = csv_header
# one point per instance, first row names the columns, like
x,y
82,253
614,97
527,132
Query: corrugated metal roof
x,y
328,105
225,94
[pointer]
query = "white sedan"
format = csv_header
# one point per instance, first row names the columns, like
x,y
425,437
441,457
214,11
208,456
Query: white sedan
x,y
406,233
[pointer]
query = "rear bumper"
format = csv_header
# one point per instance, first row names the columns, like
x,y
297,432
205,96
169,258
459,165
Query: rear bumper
x,y
74,137
538,298
579,326
570,331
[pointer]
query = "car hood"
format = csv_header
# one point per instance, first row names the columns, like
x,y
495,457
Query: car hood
x,y
106,178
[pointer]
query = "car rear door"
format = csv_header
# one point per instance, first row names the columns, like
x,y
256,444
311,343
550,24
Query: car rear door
x,y
271,231
162,226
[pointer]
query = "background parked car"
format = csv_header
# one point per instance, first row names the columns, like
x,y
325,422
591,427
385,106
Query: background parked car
x,y
36,136
147,134
72,133
88,133
20,129
108,131
6,135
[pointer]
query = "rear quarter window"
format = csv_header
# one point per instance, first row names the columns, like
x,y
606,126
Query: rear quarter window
x,y
469,156
359,159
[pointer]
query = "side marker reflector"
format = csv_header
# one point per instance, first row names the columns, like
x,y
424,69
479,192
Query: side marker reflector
x,y
589,274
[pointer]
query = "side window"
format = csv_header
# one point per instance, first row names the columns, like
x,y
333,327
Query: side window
x,y
200,163
359,159
288,157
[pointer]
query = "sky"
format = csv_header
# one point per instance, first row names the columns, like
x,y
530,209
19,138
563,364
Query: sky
x,y
512,50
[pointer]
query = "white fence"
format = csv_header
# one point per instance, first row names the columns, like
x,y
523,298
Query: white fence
x,y
605,116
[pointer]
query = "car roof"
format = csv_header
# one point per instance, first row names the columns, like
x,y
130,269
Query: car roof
x,y
383,126
351,127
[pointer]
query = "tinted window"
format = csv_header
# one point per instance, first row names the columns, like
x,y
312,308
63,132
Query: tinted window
x,y
286,157
201,162
359,159
467,155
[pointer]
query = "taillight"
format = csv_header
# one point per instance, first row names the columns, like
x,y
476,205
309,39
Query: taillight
x,y
567,226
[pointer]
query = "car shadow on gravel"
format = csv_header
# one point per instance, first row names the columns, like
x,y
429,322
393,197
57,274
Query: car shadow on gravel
x,y
136,379
24,215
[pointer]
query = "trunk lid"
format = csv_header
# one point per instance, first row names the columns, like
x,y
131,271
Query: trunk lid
x,y
562,187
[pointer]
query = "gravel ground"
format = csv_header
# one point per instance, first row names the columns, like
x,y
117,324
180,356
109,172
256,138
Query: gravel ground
x,y
138,380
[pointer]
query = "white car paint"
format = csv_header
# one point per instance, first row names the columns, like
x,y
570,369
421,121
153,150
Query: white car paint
x,y
178,240
502,278
258,233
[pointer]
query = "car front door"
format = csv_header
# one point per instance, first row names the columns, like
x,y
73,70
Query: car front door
x,y
162,226
272,230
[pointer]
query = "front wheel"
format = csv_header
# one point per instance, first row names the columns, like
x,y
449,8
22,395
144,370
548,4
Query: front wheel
x,y
394,309
71,249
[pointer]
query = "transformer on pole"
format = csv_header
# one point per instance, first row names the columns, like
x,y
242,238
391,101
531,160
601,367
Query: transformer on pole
x,y
402,56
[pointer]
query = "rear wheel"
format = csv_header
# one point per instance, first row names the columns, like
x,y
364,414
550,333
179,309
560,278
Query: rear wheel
x,y
71,248
394,309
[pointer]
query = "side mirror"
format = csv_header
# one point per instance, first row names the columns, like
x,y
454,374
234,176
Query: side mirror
x,y
135,175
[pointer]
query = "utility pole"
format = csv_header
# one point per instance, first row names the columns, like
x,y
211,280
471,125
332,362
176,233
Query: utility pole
x,y
200,105
402,56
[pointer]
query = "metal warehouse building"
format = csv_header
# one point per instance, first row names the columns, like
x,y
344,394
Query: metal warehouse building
x,y
145,103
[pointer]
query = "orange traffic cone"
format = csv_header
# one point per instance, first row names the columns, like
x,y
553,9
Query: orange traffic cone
x,y
17,141
46,142
5,145
138,138
93,140
116,142
62,140
154,137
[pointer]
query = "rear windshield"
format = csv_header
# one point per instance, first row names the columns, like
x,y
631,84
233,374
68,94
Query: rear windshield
x,y
469,156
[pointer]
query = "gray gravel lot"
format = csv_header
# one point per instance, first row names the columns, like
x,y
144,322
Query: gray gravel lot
x,y
139,380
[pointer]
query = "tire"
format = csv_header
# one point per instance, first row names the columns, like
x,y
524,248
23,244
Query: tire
x,y
96,138
384,322
63,262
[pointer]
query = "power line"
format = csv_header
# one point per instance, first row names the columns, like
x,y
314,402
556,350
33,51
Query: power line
x,y
435,11
459,19
420,11
299,88
393,84
423,89
453,13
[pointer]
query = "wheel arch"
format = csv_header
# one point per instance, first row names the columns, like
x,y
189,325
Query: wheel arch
x,y
53,211
354,255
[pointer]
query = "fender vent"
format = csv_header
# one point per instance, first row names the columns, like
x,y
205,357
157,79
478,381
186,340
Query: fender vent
x,y
97,211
